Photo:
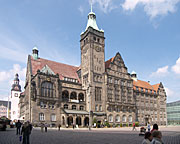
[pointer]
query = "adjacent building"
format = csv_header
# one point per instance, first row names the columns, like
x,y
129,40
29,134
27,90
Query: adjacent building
x,y
5,109
173,113
15,94
57,93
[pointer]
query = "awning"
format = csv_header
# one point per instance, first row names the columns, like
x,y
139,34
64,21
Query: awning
x,y
75,112
99,113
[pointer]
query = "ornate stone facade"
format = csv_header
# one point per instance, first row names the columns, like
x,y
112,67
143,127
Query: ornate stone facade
x,y
98,90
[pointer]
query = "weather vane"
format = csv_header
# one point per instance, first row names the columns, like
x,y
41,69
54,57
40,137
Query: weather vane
x,y
91,5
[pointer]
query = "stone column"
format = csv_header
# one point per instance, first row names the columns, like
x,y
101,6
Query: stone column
x,y
74,120
82,120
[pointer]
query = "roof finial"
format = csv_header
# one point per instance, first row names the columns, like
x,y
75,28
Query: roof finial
x,y
91,5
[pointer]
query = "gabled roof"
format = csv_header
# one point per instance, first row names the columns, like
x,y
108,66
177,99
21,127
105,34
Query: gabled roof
x,y
63,70
107,63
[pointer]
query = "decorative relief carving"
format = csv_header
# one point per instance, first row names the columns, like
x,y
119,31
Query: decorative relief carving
x,y
98,48
85,50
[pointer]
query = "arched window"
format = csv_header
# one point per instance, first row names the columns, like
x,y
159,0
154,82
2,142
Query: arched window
x,y
65,95
81,97
47,89
81,108
117,118
110,118
73,96
73,107
65,106
53,117
130,118
41,117
124,118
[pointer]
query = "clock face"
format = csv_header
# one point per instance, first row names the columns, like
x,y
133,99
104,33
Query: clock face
x,y
16,95
98,48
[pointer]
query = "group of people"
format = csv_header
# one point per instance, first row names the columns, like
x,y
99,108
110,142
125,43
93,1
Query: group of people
x,y
24,130
153,137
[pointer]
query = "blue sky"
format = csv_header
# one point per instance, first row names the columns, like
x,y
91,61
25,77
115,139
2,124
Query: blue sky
x,y
145,32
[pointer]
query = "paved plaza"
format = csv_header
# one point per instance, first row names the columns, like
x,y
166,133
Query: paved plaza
x,y
171,135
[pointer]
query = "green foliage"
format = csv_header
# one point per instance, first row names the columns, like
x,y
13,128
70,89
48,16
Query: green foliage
x,y
136,124
130,125
95,120
127,125
117,125
107,124
121,125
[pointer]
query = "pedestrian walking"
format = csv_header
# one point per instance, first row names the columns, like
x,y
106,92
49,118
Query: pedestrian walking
x,y
157,136
45,127
134,127
59,126
147,138
149,127
18,127
26,131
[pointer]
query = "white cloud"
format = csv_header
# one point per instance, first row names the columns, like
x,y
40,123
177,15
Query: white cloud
x,y
176,67
169,92
7,77
160,72
105,5
153,8
81,9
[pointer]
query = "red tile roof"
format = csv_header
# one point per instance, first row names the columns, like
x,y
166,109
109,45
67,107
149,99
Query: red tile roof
x,y
156,86
63,70
142,84
107,63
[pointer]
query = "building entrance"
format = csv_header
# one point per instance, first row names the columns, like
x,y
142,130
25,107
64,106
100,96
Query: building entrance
x,y
70,120
86,121
98,124
78,121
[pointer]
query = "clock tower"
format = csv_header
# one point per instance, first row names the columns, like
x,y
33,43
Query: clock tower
x,y
15,93
92,64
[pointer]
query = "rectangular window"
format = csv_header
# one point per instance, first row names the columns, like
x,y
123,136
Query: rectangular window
x,y
53,117
98,92
96,108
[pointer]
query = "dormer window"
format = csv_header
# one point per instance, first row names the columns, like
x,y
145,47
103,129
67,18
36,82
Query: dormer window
x,y
137,88
141,89
146,90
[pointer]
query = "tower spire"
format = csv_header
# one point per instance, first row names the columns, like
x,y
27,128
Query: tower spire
x,y
91,5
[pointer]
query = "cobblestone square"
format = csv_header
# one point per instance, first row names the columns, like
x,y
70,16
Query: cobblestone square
x,y
83,136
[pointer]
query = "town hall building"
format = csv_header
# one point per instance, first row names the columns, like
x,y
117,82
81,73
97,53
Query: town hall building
x,y
97,90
